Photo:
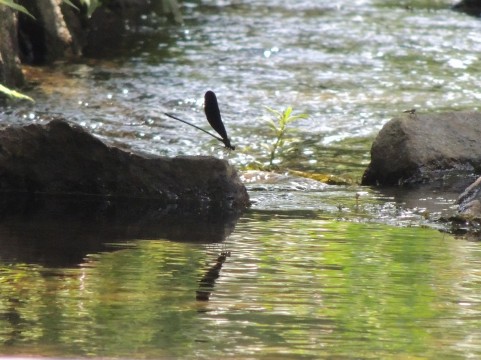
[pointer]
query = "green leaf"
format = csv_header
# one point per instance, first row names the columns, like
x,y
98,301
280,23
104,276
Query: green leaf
x,y
275,112
282,143
92,5
69,3
14,94
272,124
266,146
17,7
287,112
296,117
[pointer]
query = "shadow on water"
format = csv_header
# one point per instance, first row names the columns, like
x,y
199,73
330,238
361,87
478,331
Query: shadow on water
x,y
61,231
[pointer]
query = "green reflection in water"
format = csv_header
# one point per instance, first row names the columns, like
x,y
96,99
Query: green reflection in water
x,y
299,286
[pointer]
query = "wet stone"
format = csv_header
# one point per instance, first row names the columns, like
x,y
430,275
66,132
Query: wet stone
x,y
426,148
60,158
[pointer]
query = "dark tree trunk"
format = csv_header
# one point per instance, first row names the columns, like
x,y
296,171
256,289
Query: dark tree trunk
x,y
52,35
10,71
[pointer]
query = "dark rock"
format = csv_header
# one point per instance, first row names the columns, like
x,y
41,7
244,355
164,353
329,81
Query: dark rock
x,y
59,158
107,33
417,148
470,7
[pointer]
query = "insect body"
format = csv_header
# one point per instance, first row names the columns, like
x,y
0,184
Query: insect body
x,y
212,113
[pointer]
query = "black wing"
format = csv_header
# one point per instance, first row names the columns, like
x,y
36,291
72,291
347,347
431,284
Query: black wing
x,y
212,112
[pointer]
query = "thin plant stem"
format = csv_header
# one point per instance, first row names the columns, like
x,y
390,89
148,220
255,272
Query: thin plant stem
x,y
279,126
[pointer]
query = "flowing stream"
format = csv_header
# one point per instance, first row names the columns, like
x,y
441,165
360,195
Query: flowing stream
x,y
310,270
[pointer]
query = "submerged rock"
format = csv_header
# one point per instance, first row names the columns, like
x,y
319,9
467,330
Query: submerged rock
x,y
59,158
426,148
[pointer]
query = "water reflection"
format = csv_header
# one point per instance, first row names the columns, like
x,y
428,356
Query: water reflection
x,y
207,282
61,231
300,285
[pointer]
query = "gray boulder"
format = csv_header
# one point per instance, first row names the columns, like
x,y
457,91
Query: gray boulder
x,y
426,148
59,158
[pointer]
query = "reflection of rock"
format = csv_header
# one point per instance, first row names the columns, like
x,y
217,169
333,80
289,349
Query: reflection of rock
x,y
63,159
429,148
61,231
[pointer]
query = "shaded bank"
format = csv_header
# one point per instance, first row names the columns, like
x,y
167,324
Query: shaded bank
x,y
59,31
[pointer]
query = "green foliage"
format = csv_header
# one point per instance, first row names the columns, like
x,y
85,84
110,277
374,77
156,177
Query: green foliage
x,y
166,7
15,6
14,94
69,3
279,127
90,4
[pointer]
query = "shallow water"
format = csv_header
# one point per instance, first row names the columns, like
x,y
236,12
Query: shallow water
x,y
290,285
311,270
350,65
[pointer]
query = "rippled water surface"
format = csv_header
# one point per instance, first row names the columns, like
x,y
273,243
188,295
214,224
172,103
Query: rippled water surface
x,y
350,65
283,285
311,270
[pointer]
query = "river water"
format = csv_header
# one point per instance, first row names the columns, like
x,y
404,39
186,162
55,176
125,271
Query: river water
x,y
310,270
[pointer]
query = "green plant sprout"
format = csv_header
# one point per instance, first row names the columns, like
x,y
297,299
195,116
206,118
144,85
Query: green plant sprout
x,y
279,126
